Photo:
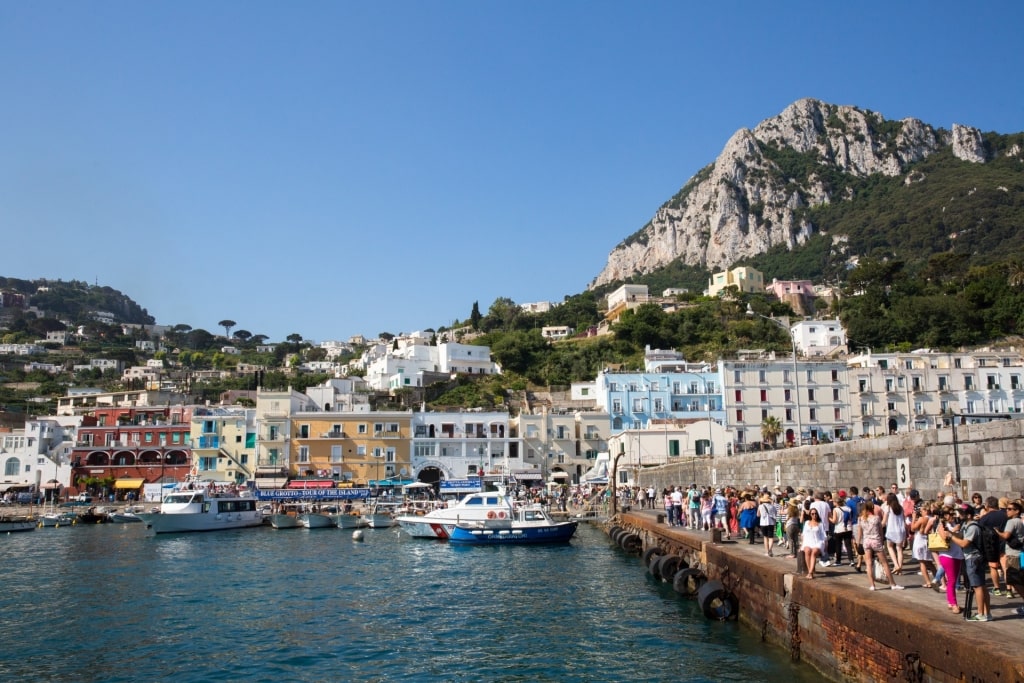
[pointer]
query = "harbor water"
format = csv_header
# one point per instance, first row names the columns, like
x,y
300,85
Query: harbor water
x,y
113,603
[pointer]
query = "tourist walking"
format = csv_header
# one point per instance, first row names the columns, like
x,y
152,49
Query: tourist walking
x,y
766,517
872,539
952,559
813,541
793,527
970,543
895,530
748,517
842,530
1013,534
921,525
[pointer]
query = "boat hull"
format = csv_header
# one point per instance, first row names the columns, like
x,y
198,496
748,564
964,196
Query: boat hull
x,y
163,523
10,525
283,521
512,534
347,521
315,520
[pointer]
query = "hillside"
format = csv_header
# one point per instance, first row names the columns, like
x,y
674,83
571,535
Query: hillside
x,y
875,187
76,301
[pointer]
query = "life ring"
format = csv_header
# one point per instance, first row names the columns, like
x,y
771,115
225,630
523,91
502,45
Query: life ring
x,y
501,515
490,514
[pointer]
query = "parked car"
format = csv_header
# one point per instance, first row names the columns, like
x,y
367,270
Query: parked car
x,y
84,498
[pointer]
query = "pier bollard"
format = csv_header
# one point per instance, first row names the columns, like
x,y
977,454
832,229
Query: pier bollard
x,y
716,536
661,519
801,564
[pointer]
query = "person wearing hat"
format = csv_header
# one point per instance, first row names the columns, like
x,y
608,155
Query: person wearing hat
x,y
748,517
766,515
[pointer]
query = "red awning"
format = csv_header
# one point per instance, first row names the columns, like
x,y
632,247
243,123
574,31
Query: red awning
x,y
311,484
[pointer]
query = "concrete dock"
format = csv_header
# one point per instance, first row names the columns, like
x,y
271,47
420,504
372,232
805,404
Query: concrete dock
x,y
842,629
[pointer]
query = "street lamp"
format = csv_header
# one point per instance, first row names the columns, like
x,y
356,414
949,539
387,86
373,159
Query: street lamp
x,y
796,374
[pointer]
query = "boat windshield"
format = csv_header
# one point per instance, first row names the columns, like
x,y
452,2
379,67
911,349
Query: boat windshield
x,y
184,498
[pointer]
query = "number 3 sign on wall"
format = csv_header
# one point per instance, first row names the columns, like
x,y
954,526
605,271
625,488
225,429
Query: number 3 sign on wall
x,y
903,472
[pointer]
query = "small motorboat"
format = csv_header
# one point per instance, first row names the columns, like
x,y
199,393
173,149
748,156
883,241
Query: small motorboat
x,y
529,526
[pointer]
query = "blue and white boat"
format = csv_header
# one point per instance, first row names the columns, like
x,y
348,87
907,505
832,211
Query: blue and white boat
x,y
483,506
531,525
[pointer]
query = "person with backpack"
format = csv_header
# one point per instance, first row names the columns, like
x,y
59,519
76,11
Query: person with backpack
x,y
842,530
993,518
1013,535
767,515
970,543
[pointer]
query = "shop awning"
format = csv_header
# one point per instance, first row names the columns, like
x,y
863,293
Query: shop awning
x,y
527,476
129,483
311,484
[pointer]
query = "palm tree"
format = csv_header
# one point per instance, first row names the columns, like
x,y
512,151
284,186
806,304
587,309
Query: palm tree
x,y
771,429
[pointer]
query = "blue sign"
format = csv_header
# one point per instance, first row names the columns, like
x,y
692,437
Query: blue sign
x,y
460,484
312,494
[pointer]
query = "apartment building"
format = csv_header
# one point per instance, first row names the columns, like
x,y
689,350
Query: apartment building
x,y
810,398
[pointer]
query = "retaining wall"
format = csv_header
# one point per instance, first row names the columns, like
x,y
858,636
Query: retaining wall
x,y
840,628
989,456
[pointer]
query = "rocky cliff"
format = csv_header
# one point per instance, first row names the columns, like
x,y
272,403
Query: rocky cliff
x,y
751,198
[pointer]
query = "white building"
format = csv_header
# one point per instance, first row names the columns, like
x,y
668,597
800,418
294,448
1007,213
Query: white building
x,y
341,395
555,332
819,337
39,454
462,448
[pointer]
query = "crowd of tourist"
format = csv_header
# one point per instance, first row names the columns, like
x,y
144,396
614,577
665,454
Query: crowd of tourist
x,y
882,533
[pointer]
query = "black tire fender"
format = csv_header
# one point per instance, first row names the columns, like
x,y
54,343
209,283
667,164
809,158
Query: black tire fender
x,y
717,603
668,565
651,554
688,582
631,543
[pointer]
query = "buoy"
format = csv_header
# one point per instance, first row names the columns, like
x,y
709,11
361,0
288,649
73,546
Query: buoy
x,y
357,535
718,603
687,582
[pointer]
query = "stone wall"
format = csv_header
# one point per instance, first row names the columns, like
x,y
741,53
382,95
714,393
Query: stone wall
x,y
990,461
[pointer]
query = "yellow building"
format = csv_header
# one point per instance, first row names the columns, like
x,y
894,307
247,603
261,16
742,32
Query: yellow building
x,y
745,279
361,449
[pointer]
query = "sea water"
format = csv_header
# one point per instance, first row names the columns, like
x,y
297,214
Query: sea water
x,y
112,602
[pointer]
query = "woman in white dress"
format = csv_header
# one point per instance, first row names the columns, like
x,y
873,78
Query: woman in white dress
x,y
895,526
813,541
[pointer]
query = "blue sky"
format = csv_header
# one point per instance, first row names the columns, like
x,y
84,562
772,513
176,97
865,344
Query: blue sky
x,y
339,168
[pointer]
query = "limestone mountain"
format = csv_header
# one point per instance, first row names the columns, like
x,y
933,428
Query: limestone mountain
x,y
761,191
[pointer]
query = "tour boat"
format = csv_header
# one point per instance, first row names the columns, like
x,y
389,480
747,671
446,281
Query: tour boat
x,y
13,523
530,525
202,510
476,507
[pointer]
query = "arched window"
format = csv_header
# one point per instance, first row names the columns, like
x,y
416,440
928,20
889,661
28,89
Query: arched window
x,y
12,467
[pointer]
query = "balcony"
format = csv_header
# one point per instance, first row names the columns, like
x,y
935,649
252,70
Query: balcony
x,y
334,435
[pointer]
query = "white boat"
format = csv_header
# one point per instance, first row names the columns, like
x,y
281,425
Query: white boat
x,y
57,519
381,514
9,524
201,510
282,520
128,515
350,520
316,520
476,507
